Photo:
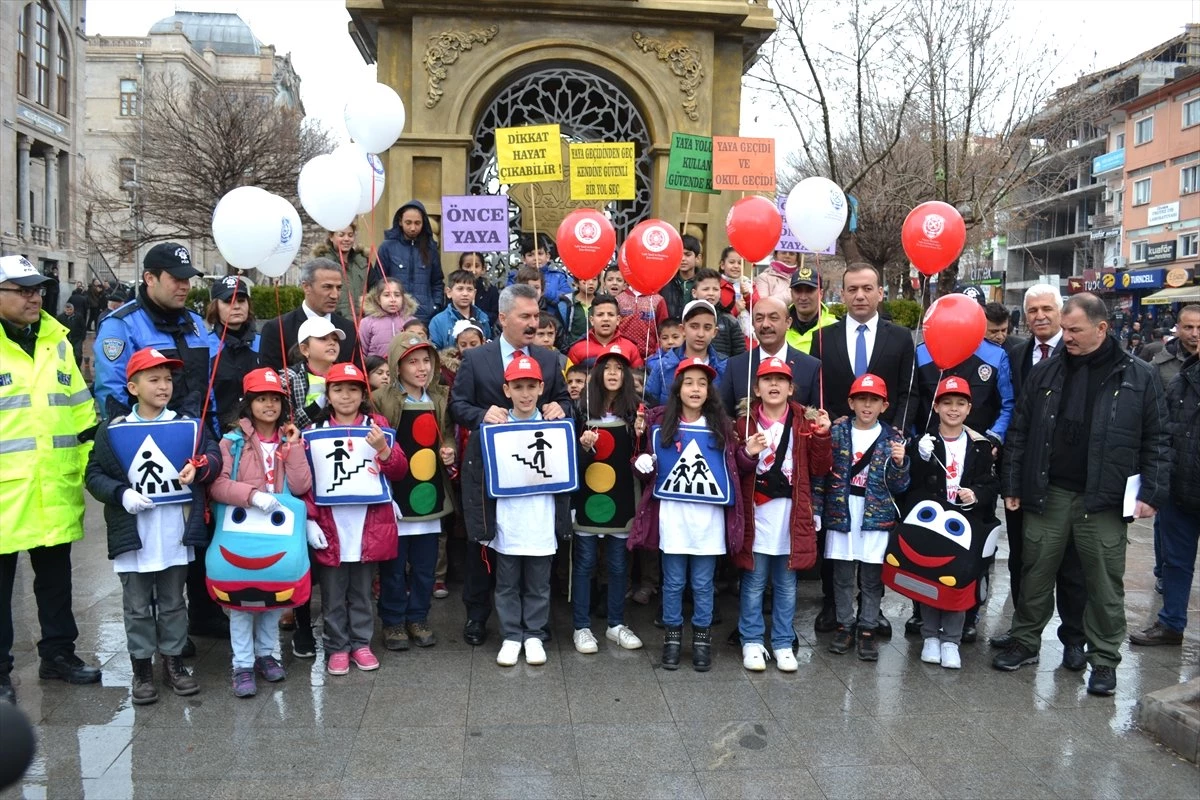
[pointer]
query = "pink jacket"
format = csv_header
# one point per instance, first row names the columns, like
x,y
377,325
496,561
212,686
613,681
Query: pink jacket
x,y
381,537
290,460
776,281
375,334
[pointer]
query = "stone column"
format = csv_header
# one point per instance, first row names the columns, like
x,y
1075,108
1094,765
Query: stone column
x,y
23,211
50,154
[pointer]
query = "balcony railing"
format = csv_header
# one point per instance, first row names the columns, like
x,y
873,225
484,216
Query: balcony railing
x,y
41,235
21,229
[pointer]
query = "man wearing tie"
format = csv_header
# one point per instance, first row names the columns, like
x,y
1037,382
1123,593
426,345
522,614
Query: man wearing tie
x,y
478,397
771,327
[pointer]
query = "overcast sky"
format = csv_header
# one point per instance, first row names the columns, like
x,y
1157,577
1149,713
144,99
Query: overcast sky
x,y
1085,34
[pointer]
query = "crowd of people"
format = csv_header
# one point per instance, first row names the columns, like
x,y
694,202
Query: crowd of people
x,y
744,433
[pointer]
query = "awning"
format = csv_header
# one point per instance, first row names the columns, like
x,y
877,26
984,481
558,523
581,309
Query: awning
x,y
1182,294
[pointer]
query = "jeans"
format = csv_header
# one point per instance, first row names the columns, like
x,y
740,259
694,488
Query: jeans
x,y
253,634
1180,530
783,606
522,596
52,591
147,632
584,549
405,596
678,569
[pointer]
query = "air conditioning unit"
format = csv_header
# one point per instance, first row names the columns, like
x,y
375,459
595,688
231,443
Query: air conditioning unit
x,y
1108,195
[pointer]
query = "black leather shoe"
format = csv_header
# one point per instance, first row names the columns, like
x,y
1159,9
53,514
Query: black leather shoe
x,y
68,667
474,633
826,621
912,626
970,634
1002,642
883,628
1103,681
1015,657
1156,634
1074,658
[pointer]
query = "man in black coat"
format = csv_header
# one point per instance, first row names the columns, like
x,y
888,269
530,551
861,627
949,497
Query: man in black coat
x,y
478,397
321,280
771,325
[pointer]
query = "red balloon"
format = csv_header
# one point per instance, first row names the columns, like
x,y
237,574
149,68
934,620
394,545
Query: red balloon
x,y
586,241
933,236
653,251
754,227
954,326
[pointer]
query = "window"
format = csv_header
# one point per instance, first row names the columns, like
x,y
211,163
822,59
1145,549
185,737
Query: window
x,y
1189,245
1191,113
41,54
1143,130
1141,192
128,172
63,85
1119,141
129,98
1137,250
1189,180
22,53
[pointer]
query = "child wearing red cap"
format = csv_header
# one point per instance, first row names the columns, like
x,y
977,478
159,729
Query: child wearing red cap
x,y
855,506
152,544
263,449
347,539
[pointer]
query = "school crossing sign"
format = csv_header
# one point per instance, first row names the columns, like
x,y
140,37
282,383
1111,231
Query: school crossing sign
x,y
692,468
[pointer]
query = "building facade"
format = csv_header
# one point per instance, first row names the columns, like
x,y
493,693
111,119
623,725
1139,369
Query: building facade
x,y
42,49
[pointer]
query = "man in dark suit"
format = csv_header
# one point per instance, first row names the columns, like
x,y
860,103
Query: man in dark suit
x,y
771,326
321,280
478,397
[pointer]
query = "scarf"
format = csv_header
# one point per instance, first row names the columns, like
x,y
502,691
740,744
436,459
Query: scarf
x,y
1083,377
784,269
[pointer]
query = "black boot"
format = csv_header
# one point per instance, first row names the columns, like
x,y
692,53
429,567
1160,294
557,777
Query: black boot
x,y
177,676
672,644
701,649
144,692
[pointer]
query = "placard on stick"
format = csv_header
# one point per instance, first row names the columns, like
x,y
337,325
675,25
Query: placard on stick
x,y
742,164
603,171
529,154
474,222
690,166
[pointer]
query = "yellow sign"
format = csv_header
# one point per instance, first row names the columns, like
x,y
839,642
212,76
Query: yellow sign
x,y
603,171
1108,280
529,154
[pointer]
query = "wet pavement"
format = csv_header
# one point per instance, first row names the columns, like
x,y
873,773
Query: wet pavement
x,y
447,722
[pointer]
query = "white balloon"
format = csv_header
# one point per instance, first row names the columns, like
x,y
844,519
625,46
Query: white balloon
x,y
368,169
288,234
242,226
329,192
816,212
375,117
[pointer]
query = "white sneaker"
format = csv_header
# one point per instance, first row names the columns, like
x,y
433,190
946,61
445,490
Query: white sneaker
x,y
950,656
931,652
785,660
510,652
535,654
754,657
585,642
624,637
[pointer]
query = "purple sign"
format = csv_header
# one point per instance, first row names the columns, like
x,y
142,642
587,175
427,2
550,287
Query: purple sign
x,y
474,222
788,242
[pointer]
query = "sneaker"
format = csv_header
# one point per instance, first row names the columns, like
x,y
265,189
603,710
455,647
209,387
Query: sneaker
x,y
440,591
270,668
303,643
395,637
754,657
1015,657
868,647
950,657
585,641
622,635
843,640
421,634
364,659
1156,634
535,653
243,683
1103,681
931,651
509,653
785,660
339,664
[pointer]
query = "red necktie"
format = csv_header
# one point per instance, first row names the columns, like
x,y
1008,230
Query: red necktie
x,y
1045,350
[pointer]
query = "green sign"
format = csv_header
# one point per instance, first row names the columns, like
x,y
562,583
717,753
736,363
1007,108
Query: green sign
x,y
690,166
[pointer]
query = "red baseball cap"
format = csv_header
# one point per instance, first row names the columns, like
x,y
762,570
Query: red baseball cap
x,y
614,350
695,363
345,373
146,358
952,385
774,366
263,379
522,367
869,384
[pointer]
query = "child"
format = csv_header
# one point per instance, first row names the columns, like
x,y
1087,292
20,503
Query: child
x,y
670,336
348,538
416,326
737,292
151,545
611,408
465,335
776,280
520,530
613,282
855,505
556,284
699,329
780,538
577,378
547,334
534,278
410,254
579,309
460,290
407,581
378,373
386,309
319,343
729,339
691,533
271,460
953,468
641,314
605,316
487,296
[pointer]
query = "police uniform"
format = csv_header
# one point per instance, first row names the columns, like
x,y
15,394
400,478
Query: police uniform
x,y
989,374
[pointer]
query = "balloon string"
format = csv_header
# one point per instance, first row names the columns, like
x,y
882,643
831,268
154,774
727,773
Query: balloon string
x,y
355,317
283,354
208,395
820,335
373,258
929,419
922,285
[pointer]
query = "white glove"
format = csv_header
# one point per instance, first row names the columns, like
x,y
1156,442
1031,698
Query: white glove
x,y
644,463
322,400
925,447
816,522
396,510
316,536
264,502
135,502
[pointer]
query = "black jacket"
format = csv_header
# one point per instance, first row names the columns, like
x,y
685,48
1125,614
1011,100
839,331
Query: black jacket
x,y
271,353
479,510
239,356
480,380
1183,404
929,477
1128,436
893,358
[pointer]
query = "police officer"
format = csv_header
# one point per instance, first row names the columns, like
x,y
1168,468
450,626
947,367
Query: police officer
x,y
44,406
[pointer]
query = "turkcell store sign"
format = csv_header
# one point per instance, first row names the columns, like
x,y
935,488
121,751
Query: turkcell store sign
x,y
1143,279
1108,161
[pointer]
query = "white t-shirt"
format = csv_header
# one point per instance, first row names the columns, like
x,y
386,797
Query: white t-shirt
x,y
956,457
772,520
857,544
349,521
689,528
525,526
